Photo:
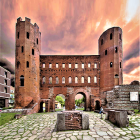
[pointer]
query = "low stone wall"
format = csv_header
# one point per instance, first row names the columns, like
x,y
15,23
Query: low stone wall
x,y
118,118
72,120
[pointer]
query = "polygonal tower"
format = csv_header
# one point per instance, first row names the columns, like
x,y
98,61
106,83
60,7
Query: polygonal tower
x,y
27,60
111,58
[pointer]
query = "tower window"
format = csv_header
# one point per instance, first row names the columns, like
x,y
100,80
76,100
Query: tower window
x,y
63,80
111,64
120,65
82,79
95,79
37,41
43,80
69,65
116,49
76,79
56,65
116,76
50,80
32,51
43,65
27,64
111,36
88,79
120,36
102,42
21,80
70,80
18,35
57,80
22,49
18,64
28,35
105,52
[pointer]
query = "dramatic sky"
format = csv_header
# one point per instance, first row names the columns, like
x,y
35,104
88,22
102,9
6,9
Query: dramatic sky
x,y
73,27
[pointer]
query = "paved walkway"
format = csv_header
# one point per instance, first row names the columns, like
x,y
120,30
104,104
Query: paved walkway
x,y
40,126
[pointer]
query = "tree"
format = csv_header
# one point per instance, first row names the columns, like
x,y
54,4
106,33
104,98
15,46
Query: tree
x,y
60,100
79,101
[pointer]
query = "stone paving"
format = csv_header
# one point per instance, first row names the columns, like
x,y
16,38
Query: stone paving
x,y
41,126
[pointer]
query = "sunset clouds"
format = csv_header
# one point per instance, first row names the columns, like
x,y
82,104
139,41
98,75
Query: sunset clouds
x,y
74,26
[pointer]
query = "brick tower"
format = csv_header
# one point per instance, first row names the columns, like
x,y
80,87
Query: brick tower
x,y
27,78
110,51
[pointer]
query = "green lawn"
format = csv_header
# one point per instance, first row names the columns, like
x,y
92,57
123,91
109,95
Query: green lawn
x,y
6,117
80,109
58,109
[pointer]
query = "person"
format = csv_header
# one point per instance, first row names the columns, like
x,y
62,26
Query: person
x,y
101,110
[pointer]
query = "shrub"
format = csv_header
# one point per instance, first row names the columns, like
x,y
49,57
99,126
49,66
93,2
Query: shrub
x,y
136,110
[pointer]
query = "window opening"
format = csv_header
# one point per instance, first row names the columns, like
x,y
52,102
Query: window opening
x,y
102,42
50,65
69,65
116,49
21,80
28,35
43,80
76,79
57,80
63,80
22,49
43,65
82,79
105,52
32,51
88,79
56,65
95,79
63,65
70,80
27,64
50,80
37,41
82,65
111,64
95,65
88,65
110,36
76,65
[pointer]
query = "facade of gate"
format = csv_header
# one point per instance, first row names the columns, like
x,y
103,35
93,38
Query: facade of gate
x,y
40,78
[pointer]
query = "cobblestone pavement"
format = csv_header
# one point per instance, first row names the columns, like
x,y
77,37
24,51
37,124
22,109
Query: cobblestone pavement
x,y
40,126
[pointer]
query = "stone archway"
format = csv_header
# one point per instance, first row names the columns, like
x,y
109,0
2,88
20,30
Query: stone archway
x,y
85,101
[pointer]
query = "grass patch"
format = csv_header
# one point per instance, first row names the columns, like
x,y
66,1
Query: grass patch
x,y
58,109
80,109
6,117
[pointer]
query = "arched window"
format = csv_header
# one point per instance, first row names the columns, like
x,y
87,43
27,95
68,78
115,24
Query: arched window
x,y
105,52
32,51
111,64
95,65
95,79
57,80
28,35
22,49
102,42
88,79
116,76
18,64
18,35
120,65
43,80
50,80
27,64
21,80
76,65
110,36
82,65
76,79
37,41
82,79
63,80
116,49
70,80
43,65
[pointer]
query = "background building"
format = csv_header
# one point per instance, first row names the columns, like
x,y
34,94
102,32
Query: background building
x,y
5,77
